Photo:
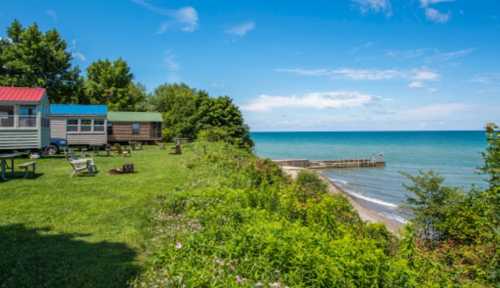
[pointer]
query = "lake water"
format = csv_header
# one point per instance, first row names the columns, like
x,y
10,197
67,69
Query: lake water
x,y
456,155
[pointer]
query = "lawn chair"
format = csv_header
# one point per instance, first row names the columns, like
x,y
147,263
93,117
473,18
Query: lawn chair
x,y
83,166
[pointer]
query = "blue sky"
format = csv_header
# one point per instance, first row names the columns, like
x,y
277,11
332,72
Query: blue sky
x,y
301,65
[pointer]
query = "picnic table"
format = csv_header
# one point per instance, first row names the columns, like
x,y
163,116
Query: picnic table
x,y
3,163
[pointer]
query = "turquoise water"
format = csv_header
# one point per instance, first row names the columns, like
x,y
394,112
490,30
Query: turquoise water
x,y
456,155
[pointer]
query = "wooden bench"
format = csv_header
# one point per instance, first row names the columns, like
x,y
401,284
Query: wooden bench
x,y
26,167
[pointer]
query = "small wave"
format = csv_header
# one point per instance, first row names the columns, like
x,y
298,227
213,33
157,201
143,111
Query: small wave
x,y
339,181
395,217
369,199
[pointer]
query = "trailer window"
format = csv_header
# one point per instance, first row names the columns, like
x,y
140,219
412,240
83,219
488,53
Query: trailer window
x,y
27,116
72,125
85,125
98,125
6,116
136,128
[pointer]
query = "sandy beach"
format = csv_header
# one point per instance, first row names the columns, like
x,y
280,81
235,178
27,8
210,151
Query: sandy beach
x,y
366,214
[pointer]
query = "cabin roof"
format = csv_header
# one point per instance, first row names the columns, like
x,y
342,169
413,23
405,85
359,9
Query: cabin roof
x,y
78,110
21,94
135,117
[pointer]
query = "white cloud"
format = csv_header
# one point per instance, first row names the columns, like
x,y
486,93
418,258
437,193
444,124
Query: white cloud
x,y
426,3
185,18
432,112
424,75
172,65
376,6
487,78
437,17
416,76
416,84
241,29
317,100
79,56
52,14
368,74
76,53
170,61
434,15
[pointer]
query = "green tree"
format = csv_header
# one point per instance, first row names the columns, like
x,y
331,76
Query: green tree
x,y
492,155
31,58
189,113
111,82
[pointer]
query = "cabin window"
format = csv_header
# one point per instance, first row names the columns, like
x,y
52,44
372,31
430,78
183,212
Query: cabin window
x,y
72,125
27,116
6,116
110,128
85,125
98,125
136,128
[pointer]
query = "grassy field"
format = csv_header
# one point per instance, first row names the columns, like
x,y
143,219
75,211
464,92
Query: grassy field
x,y
82,231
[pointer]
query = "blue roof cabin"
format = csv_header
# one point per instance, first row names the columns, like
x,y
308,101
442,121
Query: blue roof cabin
x,y
79,125
23,118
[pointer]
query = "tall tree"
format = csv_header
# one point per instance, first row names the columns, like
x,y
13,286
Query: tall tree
x,y
187,111
29,57
111,82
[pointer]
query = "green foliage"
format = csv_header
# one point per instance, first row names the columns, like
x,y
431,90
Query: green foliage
x,y
456,237
427,201
31,58
190,113
243,230
111,83
492,155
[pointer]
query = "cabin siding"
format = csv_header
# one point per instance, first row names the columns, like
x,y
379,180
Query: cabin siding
x,y
59,130
27,138
18,139
94,139
122,132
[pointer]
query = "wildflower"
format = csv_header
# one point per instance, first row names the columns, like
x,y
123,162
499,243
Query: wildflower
x,y
239,280
259,284
178,245
275,285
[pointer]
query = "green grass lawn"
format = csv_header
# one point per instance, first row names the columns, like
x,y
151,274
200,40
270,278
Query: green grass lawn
x,y
82,231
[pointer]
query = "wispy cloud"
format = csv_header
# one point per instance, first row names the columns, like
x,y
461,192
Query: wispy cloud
x,y
429,55
431,112
376,6
52,14
437,17
172,65
185,18
170,61
487,78
434,15
417,77
316,100
76,53
241,29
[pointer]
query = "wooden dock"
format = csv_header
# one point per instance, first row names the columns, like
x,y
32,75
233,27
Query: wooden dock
x,y
373,162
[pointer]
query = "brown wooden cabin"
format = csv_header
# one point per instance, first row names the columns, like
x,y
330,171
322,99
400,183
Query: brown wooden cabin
x,y
124,127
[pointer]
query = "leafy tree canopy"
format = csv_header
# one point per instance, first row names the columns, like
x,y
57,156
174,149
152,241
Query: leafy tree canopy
x,y
187,112
111,82
31,58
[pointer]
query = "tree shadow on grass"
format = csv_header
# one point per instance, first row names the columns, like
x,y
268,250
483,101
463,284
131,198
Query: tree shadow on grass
x,y
37,257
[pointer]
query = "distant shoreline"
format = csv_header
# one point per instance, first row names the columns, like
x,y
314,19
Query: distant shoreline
x,y
366,214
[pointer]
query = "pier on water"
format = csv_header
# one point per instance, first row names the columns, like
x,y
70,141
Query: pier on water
x,y
372,162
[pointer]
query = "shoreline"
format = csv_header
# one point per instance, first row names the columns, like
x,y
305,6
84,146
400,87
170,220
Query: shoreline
x,y
366,214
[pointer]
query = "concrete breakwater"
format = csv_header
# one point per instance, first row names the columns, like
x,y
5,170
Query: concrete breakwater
x,y
373,162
